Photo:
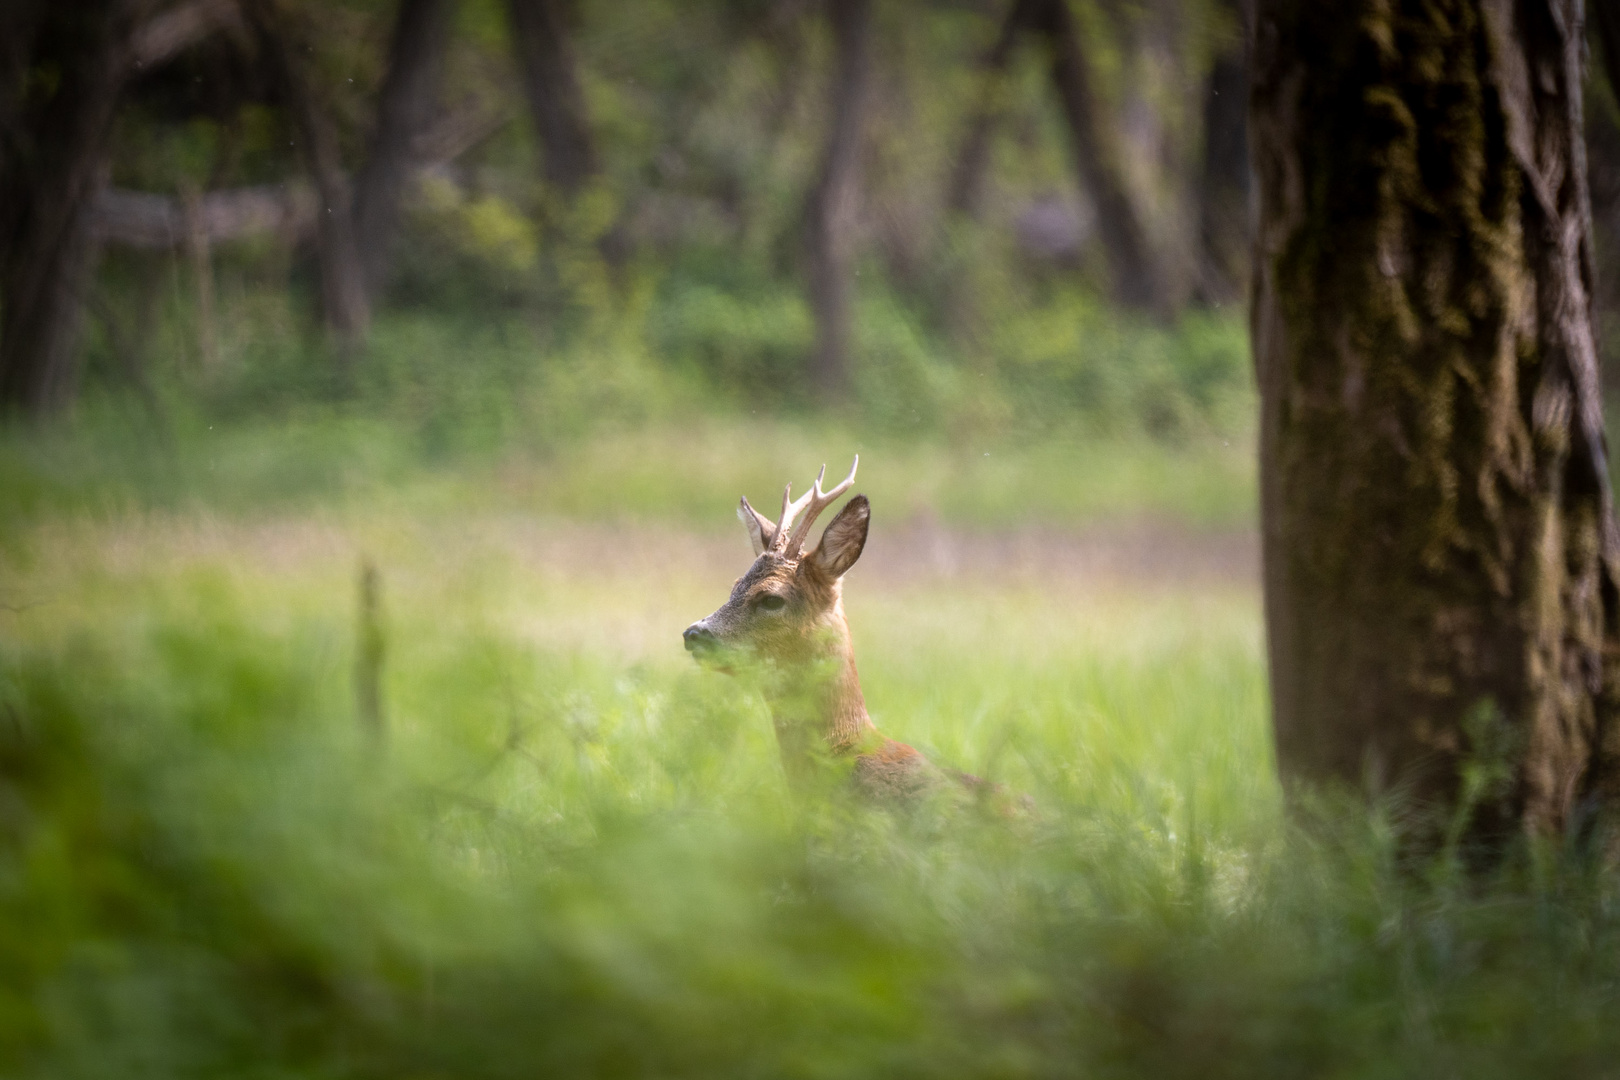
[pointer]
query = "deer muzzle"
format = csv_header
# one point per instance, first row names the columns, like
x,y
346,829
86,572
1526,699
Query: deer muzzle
x,y
700,639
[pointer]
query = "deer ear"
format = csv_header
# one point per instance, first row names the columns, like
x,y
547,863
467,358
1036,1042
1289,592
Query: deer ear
x,y
761,530
841,544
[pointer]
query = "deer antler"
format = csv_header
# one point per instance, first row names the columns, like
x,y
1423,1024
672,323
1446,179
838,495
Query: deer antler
x,y
811,504
791,509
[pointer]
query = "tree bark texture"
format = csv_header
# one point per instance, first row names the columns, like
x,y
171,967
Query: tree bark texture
x,y
1439,546
1138,281
1225,218
55,136
835,199
551,82
405,104
344,303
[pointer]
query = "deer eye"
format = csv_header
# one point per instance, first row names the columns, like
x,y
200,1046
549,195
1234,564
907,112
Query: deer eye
x,y
771,602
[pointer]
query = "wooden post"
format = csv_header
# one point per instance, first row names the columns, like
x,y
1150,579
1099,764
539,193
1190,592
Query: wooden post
x,y
371,648
200,254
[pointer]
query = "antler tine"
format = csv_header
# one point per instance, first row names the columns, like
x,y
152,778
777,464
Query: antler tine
x,y
818,501
787,516
790,511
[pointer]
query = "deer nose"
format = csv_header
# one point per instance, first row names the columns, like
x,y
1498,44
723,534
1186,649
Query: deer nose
x,y
698,636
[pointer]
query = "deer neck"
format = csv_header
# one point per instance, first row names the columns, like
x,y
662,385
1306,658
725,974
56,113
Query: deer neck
x,y
816,702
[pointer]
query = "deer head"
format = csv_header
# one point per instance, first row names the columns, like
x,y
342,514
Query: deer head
x,y
785,617
788,605
788,610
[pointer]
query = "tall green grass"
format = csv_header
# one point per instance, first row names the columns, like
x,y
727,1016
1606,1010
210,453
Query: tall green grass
x,y
575,854
671,469
648,402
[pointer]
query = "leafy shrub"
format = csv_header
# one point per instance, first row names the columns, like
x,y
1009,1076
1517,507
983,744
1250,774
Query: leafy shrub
x,y
1073,359
749,349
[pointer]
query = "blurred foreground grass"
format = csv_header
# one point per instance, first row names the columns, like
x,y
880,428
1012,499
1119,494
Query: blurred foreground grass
x,y
575,854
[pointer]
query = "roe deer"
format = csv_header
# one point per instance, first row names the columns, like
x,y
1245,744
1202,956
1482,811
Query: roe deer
x,y
787,614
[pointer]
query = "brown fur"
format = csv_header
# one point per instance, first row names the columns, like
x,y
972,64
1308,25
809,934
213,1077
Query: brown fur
x,y
787,610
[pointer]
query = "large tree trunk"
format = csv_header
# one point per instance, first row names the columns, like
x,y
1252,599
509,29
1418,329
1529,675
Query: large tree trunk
x,y
405,104
551,82
1225,225
344,303
1439,547
1138,281
55,135
835,199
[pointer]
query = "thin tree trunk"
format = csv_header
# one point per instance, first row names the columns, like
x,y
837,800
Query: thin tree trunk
x,y
1138,282
834,201
199,252
1225,225
344,304
409,93
959,244
371,650
1439,545
53,157
551,82
965,192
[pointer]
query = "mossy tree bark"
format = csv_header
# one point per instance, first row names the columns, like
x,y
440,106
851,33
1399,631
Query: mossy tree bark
x,y
1439,545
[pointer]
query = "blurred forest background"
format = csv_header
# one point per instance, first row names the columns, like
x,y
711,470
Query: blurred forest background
x,y
501,224
507,301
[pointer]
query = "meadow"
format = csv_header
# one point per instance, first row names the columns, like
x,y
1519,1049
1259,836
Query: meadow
x,y
567,851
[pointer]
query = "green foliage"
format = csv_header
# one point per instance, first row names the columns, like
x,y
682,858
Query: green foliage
x,y
469,253
1057,364
1068,412
566,862
751,350
474,447
1075,358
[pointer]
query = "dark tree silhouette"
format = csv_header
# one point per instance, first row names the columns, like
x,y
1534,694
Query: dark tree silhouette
x,y
405,105
55,132
551,82
965,191
835,198
1225,228
344,303
1439,544
1138,280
